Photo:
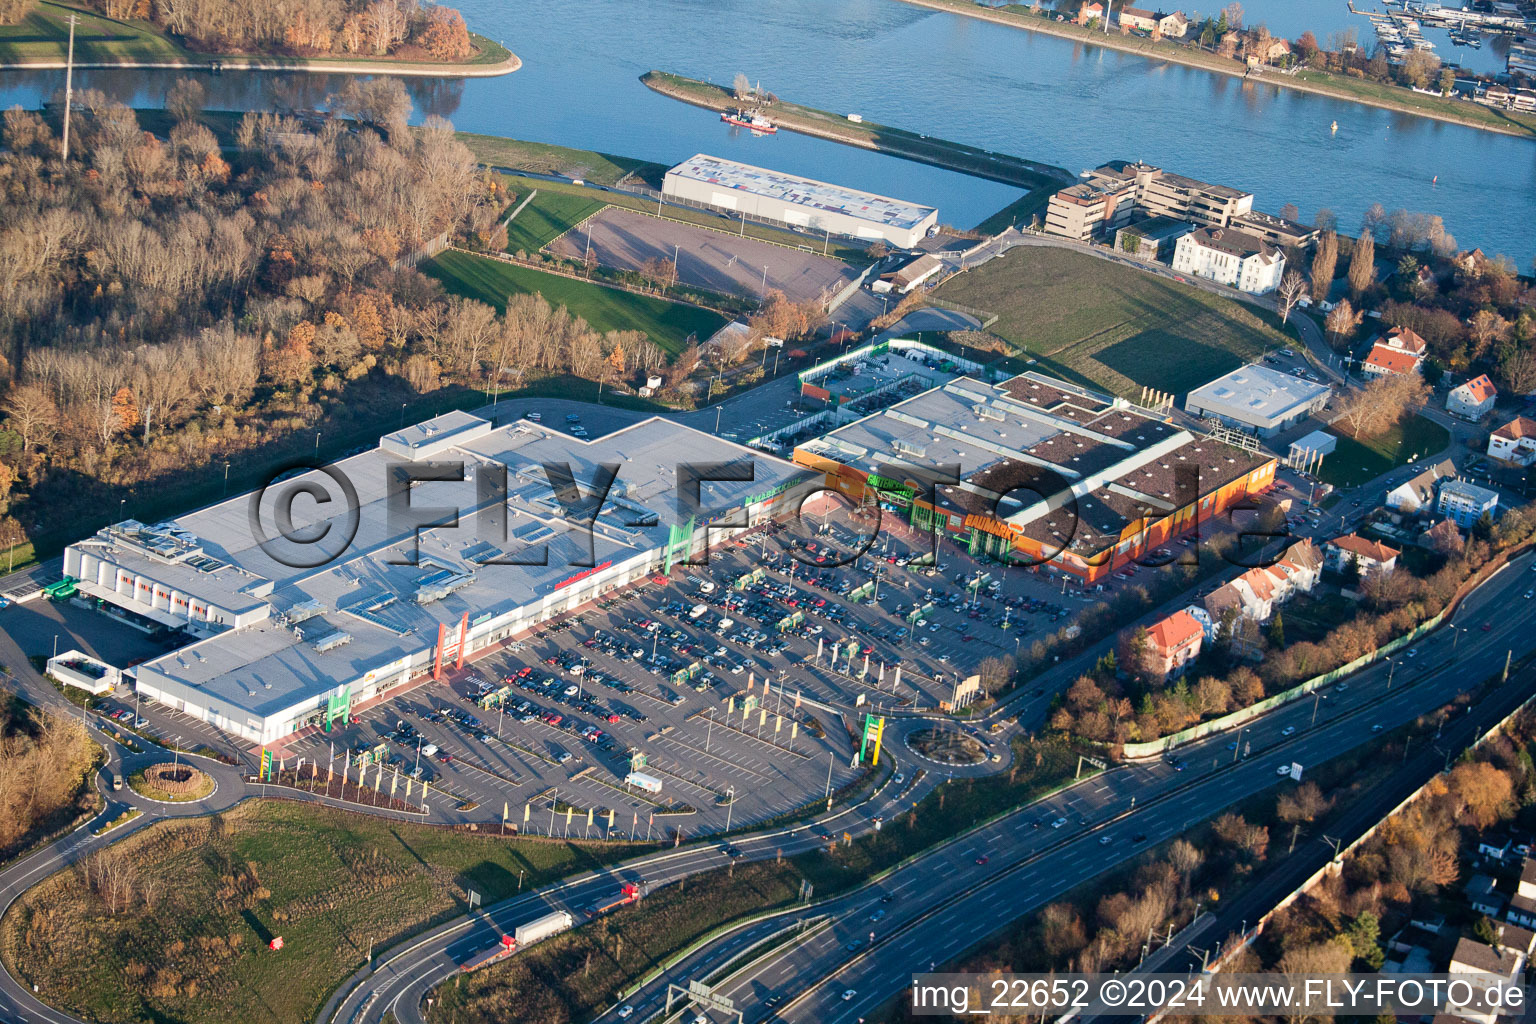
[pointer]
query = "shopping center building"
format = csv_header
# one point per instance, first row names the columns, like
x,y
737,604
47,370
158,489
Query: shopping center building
x,y
1045,471
285,635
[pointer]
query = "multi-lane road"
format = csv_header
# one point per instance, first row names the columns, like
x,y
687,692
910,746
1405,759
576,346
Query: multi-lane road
x,y
938,905
944,902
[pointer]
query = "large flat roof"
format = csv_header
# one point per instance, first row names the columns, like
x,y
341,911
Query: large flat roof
x,y
806,192
1105,463
369,606
1255,392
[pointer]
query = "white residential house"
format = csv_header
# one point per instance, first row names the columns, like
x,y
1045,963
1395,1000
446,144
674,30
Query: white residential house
x,y
1514,442
1522,905
1135,17
1417,494
1472,400
1369,555
1172,26
1230,257
1484,966
1399,350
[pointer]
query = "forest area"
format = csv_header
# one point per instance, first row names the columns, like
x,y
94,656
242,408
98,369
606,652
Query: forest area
x,y
399,29
168,305
45,760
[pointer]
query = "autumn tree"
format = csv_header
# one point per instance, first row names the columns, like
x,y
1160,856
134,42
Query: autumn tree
x,y
31,412
1324,261
1341,323
1362,265
1484,330
445,36
1292,287
1384,401
185,98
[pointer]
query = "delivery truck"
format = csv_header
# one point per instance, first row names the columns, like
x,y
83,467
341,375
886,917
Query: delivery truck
x,y
542,928
644,782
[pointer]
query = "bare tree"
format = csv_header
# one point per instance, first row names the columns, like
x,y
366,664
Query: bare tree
x,y
1324,262
1292,287
1341,322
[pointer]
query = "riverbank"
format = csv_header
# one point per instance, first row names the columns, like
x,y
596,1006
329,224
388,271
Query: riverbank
x,y
1320,83
952,156
39,42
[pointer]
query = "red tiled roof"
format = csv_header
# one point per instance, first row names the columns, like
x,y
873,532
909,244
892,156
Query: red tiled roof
x,y
1479,389
1405,339
1515,429
1260,582
1357,545
1392,360
1173,632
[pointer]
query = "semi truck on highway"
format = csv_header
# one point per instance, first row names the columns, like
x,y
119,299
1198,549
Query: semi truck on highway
x,y
490,956
542,928
630,893
525,935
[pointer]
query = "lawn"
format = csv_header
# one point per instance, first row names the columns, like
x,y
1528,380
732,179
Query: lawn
x,y
1355,462
544,158
1111,325
668,324
44,35
1019,212
547,217
208,894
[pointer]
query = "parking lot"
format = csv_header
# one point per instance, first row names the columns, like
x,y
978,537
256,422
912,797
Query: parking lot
x,y
716,260
742,682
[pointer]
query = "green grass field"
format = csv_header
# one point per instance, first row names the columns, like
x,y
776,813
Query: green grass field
x,y
547,217
544,158
1354,462
44,35
209,894
1019,212
1110,325
668,324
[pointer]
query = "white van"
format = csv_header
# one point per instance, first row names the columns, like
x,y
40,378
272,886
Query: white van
x,y
429,750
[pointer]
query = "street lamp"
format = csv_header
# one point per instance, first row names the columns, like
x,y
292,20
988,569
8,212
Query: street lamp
x,y
730,792
1393,663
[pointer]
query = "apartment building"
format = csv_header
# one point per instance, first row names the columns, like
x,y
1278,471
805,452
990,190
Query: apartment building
x,y
1090,210
1096,205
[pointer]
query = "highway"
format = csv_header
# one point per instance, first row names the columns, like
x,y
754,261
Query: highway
x,y
945,902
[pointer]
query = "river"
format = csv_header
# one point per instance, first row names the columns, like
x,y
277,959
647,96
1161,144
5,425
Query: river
x,y
990,85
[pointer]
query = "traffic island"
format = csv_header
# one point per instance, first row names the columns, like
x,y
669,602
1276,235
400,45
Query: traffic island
x,y
945,746
172,783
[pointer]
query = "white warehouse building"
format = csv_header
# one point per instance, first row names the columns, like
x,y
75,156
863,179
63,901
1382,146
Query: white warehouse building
x,y
801,203
276,648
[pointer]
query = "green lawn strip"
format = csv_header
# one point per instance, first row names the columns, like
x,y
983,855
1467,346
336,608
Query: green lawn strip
x,y
668,324
870,134
545,158
1019,212
43,35
569,978
221,888
1354,462
548,216
1112,324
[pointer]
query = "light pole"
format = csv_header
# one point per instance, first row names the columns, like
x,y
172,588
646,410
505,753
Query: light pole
x,y
719,409
1392,663
317,442
402,414
731,793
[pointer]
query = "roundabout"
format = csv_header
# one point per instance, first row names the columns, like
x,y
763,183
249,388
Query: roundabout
x,y
176,783
949,747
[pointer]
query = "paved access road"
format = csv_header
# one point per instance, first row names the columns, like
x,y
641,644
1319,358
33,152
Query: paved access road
x,y
946,900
